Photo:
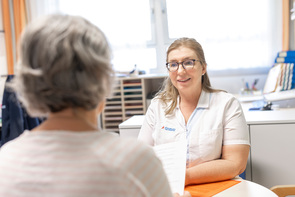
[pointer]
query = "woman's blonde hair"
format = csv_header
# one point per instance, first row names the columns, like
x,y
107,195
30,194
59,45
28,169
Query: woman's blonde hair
x,y
169,93
64,62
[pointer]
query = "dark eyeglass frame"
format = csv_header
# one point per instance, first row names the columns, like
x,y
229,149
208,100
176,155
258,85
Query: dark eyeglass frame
x,y
184,67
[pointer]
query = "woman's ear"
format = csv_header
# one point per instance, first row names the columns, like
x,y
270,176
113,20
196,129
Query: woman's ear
x,y
204,69
100,107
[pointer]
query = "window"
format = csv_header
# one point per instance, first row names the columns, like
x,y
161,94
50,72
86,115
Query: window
x,y
127,25
235,34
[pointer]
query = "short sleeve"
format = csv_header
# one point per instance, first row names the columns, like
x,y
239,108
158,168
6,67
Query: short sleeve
x,y
235,126
148,125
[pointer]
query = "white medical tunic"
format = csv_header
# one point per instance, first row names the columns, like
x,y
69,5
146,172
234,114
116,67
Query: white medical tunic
x,y
217,120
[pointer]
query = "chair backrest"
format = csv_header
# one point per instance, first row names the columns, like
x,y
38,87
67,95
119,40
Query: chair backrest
x,y
283,190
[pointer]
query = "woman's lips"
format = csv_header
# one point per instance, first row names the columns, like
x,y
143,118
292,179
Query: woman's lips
x,y
183,80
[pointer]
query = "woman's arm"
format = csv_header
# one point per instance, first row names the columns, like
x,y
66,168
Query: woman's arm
x,y
232,163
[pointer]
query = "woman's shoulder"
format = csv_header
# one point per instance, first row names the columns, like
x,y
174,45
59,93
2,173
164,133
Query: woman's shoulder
x,y
139,163
125,153
125,147
158,101
223,95
222,98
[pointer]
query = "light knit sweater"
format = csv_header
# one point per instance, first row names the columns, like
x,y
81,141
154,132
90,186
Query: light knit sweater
x,y
79,164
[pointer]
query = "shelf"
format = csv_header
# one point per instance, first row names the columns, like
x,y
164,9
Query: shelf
x,y
133,90
134,101
134,107
117,91
113,118
133,96
128,99
132,93
282,95
135,112
112,113
113,108
113,102
114,97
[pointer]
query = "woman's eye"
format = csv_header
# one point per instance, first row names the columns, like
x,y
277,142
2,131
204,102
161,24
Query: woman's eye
x,y
188,63
173,65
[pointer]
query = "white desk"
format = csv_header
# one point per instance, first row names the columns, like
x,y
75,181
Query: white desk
x,y
131,127
246,189
272,133
279,116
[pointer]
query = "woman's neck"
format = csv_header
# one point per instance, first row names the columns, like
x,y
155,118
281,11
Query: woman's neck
x,y
188,103
70,119
190,98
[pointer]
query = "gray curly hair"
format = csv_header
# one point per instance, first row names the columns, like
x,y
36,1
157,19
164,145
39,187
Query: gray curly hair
x,y
64,62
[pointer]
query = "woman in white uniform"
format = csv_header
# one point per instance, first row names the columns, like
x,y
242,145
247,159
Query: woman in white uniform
x,y
211,121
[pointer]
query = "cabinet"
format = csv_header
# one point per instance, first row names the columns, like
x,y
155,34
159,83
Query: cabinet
x,y
272,155
129,98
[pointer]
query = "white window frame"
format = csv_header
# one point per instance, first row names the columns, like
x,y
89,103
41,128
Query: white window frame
x,y
160,37
161,42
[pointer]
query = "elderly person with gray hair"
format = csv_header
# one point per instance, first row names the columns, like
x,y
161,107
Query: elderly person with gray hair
x,y
64,74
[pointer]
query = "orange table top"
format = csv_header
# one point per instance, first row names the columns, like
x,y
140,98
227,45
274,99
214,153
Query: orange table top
x,y
210,189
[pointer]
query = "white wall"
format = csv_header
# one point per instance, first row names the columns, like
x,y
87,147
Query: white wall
x,y
233,84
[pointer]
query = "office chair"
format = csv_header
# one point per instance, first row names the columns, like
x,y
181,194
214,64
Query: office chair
x,y
283,190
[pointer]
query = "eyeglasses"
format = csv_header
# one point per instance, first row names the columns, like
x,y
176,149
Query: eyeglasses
x,y
187,64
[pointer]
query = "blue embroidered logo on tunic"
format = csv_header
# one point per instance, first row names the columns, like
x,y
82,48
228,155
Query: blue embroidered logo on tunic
x,y
168,129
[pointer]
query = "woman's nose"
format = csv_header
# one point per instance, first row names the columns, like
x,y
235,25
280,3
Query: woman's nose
x,y
181,69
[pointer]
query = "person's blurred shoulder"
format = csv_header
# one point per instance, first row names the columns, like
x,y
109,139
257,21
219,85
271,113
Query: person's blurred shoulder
x,y
128,148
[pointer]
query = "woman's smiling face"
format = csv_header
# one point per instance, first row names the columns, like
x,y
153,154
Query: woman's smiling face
x,y
186,81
